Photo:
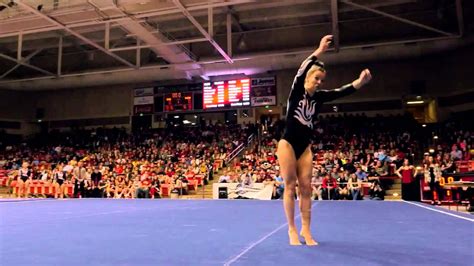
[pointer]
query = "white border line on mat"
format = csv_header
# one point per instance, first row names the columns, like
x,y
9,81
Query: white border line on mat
x,y
440,211
252,245
27,200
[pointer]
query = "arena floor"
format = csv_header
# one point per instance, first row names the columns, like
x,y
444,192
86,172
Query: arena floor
x,y
224,232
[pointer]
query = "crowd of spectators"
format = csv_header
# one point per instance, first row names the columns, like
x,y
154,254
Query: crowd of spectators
x,y
113,164
353,152
350,153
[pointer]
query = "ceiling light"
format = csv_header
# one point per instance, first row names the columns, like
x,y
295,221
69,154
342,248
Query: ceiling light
x,y
415,102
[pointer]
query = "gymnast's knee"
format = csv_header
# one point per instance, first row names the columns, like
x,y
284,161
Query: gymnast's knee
x,y
305,191
290,187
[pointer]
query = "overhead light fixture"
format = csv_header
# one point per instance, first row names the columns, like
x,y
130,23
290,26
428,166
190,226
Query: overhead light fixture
x,y
176,116
415,102
186,122
424,125
418,97
435,137
431,150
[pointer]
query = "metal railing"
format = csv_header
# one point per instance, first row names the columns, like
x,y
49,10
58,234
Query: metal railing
x,y
239,149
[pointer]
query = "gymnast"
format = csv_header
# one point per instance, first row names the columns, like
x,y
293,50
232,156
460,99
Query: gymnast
x,y
294,154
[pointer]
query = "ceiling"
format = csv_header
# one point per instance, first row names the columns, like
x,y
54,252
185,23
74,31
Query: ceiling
x,y
52,44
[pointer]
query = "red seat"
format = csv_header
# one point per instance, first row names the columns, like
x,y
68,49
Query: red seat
x,y
165,190
49,190
192,185
70,190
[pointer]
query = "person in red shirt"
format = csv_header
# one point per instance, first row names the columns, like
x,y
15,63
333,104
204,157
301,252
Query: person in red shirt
x,y
329,187
407,173
143,191
119,169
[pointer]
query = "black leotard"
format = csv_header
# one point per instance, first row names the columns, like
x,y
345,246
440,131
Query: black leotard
x,y
24,175
303,108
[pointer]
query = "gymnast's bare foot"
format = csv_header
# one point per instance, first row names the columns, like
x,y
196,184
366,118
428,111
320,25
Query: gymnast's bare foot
x,y
294,239
308,238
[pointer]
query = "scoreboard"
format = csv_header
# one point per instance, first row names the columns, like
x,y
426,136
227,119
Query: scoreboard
x,y
228,93
178,101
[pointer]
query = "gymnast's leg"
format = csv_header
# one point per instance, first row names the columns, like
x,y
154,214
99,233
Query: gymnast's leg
x,y
304,173
287,162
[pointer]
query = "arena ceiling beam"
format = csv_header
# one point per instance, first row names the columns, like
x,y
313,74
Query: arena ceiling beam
x,y
155,45
202,31
459,13
335,24
210,21
60,56
142,15
22,62
404,20
72,32
229,33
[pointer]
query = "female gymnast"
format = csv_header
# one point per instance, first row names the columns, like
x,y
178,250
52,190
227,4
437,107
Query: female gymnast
x,y
294,153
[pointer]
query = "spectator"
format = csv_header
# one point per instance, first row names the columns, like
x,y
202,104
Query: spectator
x,y
407,173
316,186
376,191
329,187
143,191
225,178
343,189
432,174
456,154
279,186
361,175
355,186
96,177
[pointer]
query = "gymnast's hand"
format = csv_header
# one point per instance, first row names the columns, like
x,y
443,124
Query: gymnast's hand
x,y
324,44
363,79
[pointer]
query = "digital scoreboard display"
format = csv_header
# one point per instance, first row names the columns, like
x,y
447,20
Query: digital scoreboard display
x,y
178,101
228,93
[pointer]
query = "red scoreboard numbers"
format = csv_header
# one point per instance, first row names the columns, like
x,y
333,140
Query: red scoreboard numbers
x,y
228,93
178,101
